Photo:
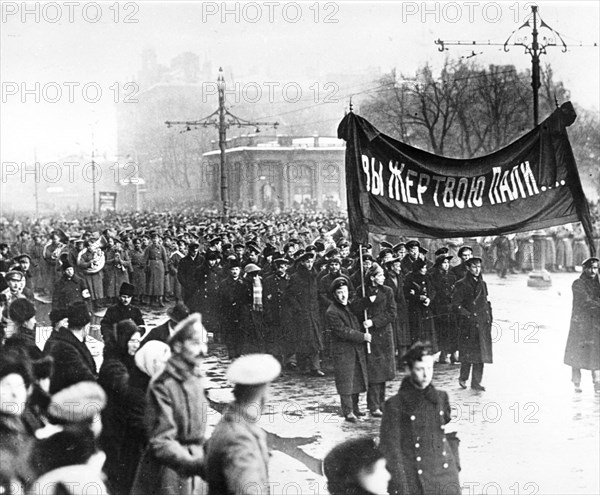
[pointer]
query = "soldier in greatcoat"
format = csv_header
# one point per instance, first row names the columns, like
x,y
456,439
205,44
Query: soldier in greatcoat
x,y
176,418
583,343
474,318
348,347
421,456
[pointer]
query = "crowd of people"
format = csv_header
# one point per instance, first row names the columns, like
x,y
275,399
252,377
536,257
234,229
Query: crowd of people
x,y
286,292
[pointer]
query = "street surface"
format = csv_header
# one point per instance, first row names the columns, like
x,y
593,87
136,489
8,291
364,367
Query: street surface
x,y
529,433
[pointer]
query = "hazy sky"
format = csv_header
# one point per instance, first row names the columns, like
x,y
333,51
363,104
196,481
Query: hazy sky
x,y
62,45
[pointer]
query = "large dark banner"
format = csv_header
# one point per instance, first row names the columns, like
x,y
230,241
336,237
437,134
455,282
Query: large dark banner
x,y
396,189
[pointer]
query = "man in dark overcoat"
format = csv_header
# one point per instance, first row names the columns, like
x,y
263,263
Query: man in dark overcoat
x,y
274,288
421,457
186,274
209,276
394,279
348,347
73,361
69,289
419,292
303,318
123,310
474,318
443,282
377,311
231,295
583,343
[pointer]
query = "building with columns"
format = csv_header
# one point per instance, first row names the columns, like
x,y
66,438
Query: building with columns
x,y
278,172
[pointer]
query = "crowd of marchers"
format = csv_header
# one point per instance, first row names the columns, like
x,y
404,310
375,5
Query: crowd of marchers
x,y
283,292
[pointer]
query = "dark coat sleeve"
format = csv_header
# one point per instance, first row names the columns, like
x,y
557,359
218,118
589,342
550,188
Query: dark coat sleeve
x,y
390,444
340,328
387,312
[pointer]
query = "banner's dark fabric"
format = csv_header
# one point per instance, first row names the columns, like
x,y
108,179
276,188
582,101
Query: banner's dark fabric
x,y
396,189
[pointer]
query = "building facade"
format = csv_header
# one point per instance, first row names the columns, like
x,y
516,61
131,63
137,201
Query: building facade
x,y
278,172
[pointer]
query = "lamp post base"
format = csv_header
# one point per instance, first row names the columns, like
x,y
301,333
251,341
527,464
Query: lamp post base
x,y
540,279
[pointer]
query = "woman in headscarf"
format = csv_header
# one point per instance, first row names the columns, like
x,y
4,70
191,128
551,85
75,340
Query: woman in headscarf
x,y
124,399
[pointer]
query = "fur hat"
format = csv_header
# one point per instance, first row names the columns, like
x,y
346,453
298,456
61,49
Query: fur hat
x,y
78,315
178,312
21,310
12,361
127,289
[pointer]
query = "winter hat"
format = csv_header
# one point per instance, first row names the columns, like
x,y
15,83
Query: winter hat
x,y
78,315
21,310
12,361
127,289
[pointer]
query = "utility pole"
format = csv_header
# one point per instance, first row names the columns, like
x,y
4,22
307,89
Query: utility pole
x,y
539,277
535,49
221,118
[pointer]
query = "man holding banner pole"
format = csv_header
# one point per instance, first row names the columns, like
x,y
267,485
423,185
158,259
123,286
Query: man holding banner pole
x,y
379,309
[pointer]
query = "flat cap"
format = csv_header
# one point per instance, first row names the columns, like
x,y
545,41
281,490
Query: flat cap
x,y
337,283
253,369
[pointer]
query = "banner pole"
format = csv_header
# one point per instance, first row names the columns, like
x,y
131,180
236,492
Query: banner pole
x,y
364,292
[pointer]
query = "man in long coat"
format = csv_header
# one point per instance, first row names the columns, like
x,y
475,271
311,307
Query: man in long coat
x,y
69,289
73,362
419,292
474,317
303,318
377,311
349,352
583,344
123,310
394,279
274,289
186,274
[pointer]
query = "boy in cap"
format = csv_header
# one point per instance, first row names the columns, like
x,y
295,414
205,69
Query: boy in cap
x,y
237,455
